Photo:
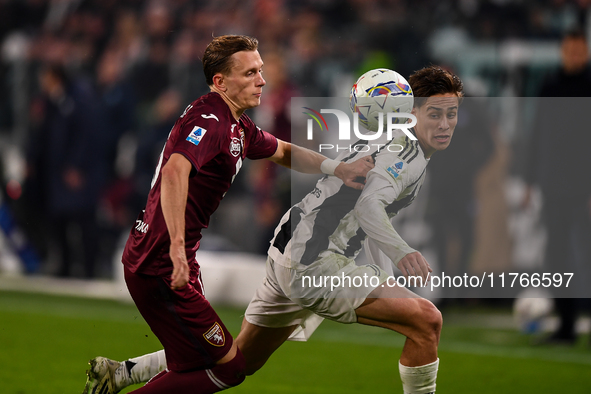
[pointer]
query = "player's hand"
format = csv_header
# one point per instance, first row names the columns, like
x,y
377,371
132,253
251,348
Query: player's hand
x,y
180,267
414,264
353,174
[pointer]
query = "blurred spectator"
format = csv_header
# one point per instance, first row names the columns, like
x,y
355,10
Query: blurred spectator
x,y
127,36
559,156
151,75
307,54
186,70
452,201
118,104
67,149
167,108
158,21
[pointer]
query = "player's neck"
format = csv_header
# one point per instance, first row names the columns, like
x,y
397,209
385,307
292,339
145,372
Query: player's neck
x,y
234,108
427,152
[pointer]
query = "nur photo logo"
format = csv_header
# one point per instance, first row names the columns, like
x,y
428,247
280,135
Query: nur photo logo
x,y
387,123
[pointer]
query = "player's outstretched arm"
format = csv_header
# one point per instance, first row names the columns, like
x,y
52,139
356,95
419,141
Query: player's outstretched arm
x,y
310,162
173,199
371,214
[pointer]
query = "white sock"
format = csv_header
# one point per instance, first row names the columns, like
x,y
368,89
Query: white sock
x,y
143,368
419,380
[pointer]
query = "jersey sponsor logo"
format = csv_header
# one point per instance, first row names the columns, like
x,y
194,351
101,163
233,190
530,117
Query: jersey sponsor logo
x,y
235,147
141,226
210,116
196,134
215,335
396,169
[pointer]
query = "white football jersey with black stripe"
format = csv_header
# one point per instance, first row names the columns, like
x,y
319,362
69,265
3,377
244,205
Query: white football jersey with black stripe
x,y
334,218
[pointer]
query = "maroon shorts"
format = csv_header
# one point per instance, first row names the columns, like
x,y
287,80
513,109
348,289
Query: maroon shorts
x,y
191,332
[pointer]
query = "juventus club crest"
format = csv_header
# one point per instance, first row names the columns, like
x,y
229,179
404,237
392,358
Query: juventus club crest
x,y
215,335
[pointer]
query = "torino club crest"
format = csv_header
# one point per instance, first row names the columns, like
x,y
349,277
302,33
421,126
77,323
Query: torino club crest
x,y
235,147
215,335
236,144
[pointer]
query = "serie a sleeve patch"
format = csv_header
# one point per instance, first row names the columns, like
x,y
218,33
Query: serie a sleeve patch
x,y
395,169
196,135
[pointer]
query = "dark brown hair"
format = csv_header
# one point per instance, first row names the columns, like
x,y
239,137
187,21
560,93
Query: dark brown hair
x,y
433,80
216,58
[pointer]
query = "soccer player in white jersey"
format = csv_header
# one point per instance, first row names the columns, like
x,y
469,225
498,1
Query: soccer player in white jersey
x,y
321,236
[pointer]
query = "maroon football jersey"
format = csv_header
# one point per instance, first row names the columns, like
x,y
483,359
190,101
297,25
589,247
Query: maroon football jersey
x,y
216,144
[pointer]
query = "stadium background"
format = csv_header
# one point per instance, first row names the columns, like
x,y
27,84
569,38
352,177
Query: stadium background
x,y
138,63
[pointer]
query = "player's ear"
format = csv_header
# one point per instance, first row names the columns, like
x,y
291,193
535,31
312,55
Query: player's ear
x,y
219,83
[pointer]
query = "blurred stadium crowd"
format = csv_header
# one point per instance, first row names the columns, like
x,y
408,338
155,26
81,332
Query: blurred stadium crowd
x,y
89,90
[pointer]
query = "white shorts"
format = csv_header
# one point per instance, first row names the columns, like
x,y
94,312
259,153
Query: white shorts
x,y
306,295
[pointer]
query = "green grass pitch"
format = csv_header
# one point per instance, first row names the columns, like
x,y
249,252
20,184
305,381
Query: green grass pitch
x,y
46,341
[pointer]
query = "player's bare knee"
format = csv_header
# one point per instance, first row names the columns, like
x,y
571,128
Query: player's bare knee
x,y
433,316
429,321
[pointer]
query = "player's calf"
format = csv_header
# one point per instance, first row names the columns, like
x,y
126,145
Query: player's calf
x,y
229,374
258,343
422,327
206,381
416,376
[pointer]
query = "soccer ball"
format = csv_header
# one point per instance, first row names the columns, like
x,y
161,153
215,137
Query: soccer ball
x,y
380,90
529,309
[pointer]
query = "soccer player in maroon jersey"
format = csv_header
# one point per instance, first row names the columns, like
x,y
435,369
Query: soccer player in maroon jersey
x,y
203,153
282,309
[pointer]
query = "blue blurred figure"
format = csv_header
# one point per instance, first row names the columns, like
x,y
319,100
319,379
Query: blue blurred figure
x,y
70,149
